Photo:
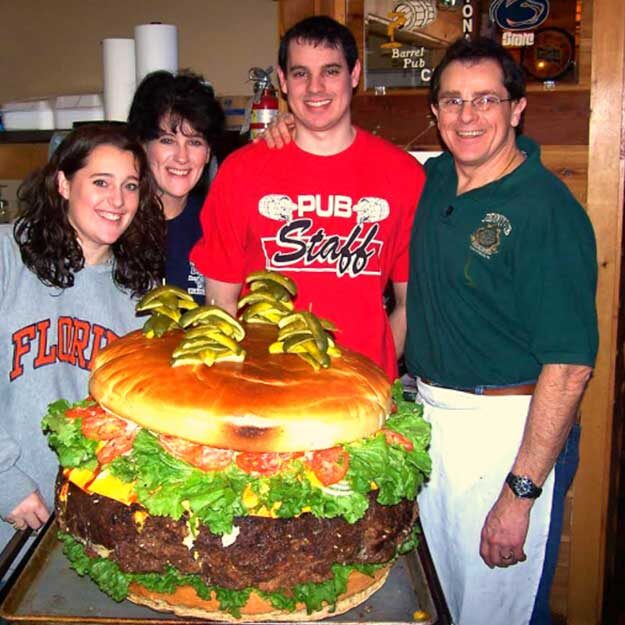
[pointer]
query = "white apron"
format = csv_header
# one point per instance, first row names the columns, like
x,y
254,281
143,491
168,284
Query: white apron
x,y
475,439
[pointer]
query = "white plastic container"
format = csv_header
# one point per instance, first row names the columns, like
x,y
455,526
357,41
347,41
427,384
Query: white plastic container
x,y
28,115
77,108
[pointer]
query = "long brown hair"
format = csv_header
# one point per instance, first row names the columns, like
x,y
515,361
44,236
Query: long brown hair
x,y
48,242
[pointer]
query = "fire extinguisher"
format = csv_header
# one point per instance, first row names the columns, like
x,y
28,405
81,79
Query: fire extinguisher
x,y
264,102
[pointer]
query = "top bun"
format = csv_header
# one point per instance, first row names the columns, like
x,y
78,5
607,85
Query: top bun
x,y
268,402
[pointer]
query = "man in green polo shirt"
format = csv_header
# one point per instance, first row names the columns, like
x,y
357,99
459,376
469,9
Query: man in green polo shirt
x,y
502,336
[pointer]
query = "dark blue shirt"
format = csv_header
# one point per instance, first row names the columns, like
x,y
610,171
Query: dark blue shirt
x,y
182,233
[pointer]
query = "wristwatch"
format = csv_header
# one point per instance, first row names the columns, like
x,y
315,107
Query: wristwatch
x,y
523,486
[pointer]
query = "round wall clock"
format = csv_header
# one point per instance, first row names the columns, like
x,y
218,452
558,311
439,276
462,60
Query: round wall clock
x,y
551,56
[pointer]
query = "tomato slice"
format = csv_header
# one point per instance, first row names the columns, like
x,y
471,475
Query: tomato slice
x,y
200,456
395,438
211,458
115,447
177,447
101,426
265,463
79,412
330,465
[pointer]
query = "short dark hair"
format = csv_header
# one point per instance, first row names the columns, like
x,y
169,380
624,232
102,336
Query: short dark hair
x,y
320,30
467,51
48,242
185,96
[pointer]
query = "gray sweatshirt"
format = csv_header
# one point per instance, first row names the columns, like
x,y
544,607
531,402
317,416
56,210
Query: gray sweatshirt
x,y
48,337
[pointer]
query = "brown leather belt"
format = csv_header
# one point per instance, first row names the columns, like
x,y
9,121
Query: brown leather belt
x,y
517,389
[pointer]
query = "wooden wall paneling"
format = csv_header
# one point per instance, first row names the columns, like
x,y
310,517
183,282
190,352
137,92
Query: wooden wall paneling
x,y
340,10
558,117
292,11
606,168
558,599
570,164
333,8
584,61
397,118
354,20
552,117
17,160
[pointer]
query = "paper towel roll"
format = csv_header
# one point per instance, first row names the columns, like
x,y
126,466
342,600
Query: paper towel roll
x,y
156,47
118,60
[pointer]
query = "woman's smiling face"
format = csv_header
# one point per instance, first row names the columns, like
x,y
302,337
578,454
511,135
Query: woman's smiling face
x,y
103,198
177,159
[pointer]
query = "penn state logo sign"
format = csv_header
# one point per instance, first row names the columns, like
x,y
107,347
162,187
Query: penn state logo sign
x,y
519,14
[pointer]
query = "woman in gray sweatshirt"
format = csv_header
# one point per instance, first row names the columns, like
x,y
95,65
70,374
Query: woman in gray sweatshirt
x,y
88,241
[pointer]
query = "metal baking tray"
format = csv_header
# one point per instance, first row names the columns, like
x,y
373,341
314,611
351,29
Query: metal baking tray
x,y
45,590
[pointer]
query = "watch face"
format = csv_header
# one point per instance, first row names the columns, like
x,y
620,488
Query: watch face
x,y
551,55
522,486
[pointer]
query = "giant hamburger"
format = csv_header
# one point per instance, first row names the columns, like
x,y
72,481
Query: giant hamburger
x,y
256,478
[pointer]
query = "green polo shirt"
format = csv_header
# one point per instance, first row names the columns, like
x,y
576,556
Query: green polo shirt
x,y
502,278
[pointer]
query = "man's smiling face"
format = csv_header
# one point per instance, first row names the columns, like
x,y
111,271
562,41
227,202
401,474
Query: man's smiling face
x,y
477,138
319,85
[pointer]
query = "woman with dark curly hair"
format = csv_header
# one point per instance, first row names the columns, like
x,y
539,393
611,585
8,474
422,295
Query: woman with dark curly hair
x,y
178,120
89,239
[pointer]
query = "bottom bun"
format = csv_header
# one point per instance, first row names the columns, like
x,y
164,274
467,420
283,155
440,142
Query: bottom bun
x,y
185,602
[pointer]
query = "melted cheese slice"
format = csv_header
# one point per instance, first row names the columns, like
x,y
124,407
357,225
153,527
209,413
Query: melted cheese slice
x,y
103,484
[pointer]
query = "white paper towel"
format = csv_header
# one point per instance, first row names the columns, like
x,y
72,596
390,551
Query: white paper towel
x,y
118,60
156,47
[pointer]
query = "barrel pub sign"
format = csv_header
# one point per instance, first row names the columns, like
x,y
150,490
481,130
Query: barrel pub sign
x,y
405,39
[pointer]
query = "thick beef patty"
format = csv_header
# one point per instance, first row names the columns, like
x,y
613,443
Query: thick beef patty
x,y
268,553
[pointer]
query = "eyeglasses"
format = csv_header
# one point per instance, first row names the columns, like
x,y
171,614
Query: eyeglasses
x,y
481,103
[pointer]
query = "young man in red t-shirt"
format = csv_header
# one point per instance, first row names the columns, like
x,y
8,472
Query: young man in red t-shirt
x,y
333,209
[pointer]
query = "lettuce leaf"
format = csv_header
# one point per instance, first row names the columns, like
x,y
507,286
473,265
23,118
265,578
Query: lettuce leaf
x,y
72,447
166,486
411,542
293,491
229,600
105,573
397,472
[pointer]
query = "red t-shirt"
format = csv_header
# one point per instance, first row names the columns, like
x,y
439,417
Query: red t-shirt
x,y
338,225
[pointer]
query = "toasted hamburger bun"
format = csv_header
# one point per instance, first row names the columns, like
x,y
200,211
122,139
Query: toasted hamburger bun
x,y
267,403
185,602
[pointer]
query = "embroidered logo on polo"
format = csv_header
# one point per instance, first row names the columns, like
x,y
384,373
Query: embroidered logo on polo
x,y
300,244
486,240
